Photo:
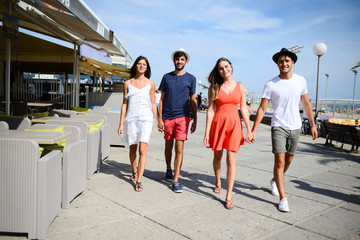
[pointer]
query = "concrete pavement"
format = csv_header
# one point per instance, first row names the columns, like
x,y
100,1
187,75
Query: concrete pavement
x,y
322,186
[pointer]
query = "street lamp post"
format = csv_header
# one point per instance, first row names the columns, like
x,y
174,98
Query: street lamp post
x,y
355,73
327,78
319,50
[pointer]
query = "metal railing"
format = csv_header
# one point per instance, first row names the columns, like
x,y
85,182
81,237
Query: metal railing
x,y
339,108
334,108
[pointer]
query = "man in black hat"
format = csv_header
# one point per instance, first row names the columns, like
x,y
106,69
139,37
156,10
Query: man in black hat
x,y
285,91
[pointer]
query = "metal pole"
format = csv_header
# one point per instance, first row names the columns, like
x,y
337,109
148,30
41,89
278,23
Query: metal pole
x,y
87,96
327,78
7,76
77,92
72,86
354,86
355,73
317,86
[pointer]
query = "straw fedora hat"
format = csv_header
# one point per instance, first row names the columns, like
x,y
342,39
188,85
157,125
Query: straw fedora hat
x,y
181,50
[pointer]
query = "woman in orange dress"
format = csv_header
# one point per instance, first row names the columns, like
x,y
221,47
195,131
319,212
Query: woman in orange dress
x,y
223,125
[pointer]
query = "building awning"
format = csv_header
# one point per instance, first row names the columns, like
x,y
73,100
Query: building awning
x,y
37,55
88,66
78,18
32,49
31,19
73,22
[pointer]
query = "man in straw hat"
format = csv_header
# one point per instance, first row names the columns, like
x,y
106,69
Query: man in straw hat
x,y
178,89
285,92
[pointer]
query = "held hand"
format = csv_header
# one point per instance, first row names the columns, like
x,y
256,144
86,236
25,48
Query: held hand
x,y
249,138
253,136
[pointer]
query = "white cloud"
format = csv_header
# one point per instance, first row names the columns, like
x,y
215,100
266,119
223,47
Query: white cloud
x,y
141,3
243,31
235,19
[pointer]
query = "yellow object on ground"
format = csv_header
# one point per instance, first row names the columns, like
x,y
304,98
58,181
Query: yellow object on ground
x,y
351,122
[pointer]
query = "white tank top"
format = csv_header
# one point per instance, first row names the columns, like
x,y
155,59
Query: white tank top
x,y
139,104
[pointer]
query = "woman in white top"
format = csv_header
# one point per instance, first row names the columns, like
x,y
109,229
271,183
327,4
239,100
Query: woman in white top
x,y
136,118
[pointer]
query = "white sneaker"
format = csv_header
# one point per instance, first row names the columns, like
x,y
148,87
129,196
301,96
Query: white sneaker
x,y
284,205
274,190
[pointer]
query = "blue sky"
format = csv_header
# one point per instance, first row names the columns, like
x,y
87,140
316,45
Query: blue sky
x,y
248,32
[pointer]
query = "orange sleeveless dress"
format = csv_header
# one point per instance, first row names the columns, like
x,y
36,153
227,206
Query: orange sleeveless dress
x,y
226,128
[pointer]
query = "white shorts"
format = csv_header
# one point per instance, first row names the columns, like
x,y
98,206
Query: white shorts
x,y
137,131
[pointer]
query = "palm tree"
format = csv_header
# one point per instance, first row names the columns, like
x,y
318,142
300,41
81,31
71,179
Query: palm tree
x,y
356,66
204,86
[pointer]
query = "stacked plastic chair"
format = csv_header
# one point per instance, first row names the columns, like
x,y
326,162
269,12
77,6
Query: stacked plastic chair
x,y
30,189
93,143
74,163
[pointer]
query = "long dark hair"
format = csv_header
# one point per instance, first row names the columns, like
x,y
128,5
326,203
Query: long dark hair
x,y
133,68
215,79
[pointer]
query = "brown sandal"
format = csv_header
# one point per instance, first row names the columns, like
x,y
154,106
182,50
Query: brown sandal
x,y
133,177
138,187
217,190
229,205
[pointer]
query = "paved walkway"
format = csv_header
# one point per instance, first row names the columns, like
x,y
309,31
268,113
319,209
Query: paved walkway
x,y
322,186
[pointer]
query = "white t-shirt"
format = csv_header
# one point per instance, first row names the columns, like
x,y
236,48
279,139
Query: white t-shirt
x,y
285,96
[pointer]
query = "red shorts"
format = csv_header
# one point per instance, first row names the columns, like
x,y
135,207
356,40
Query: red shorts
x,y
176,128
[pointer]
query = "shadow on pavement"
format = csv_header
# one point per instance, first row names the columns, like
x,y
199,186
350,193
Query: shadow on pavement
x,y
196,182
329,154
351,198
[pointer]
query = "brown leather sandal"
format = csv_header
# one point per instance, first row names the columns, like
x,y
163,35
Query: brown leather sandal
x,y
138,187
133,177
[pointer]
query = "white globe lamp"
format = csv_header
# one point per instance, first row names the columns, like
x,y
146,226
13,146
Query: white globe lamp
x,y
319,49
